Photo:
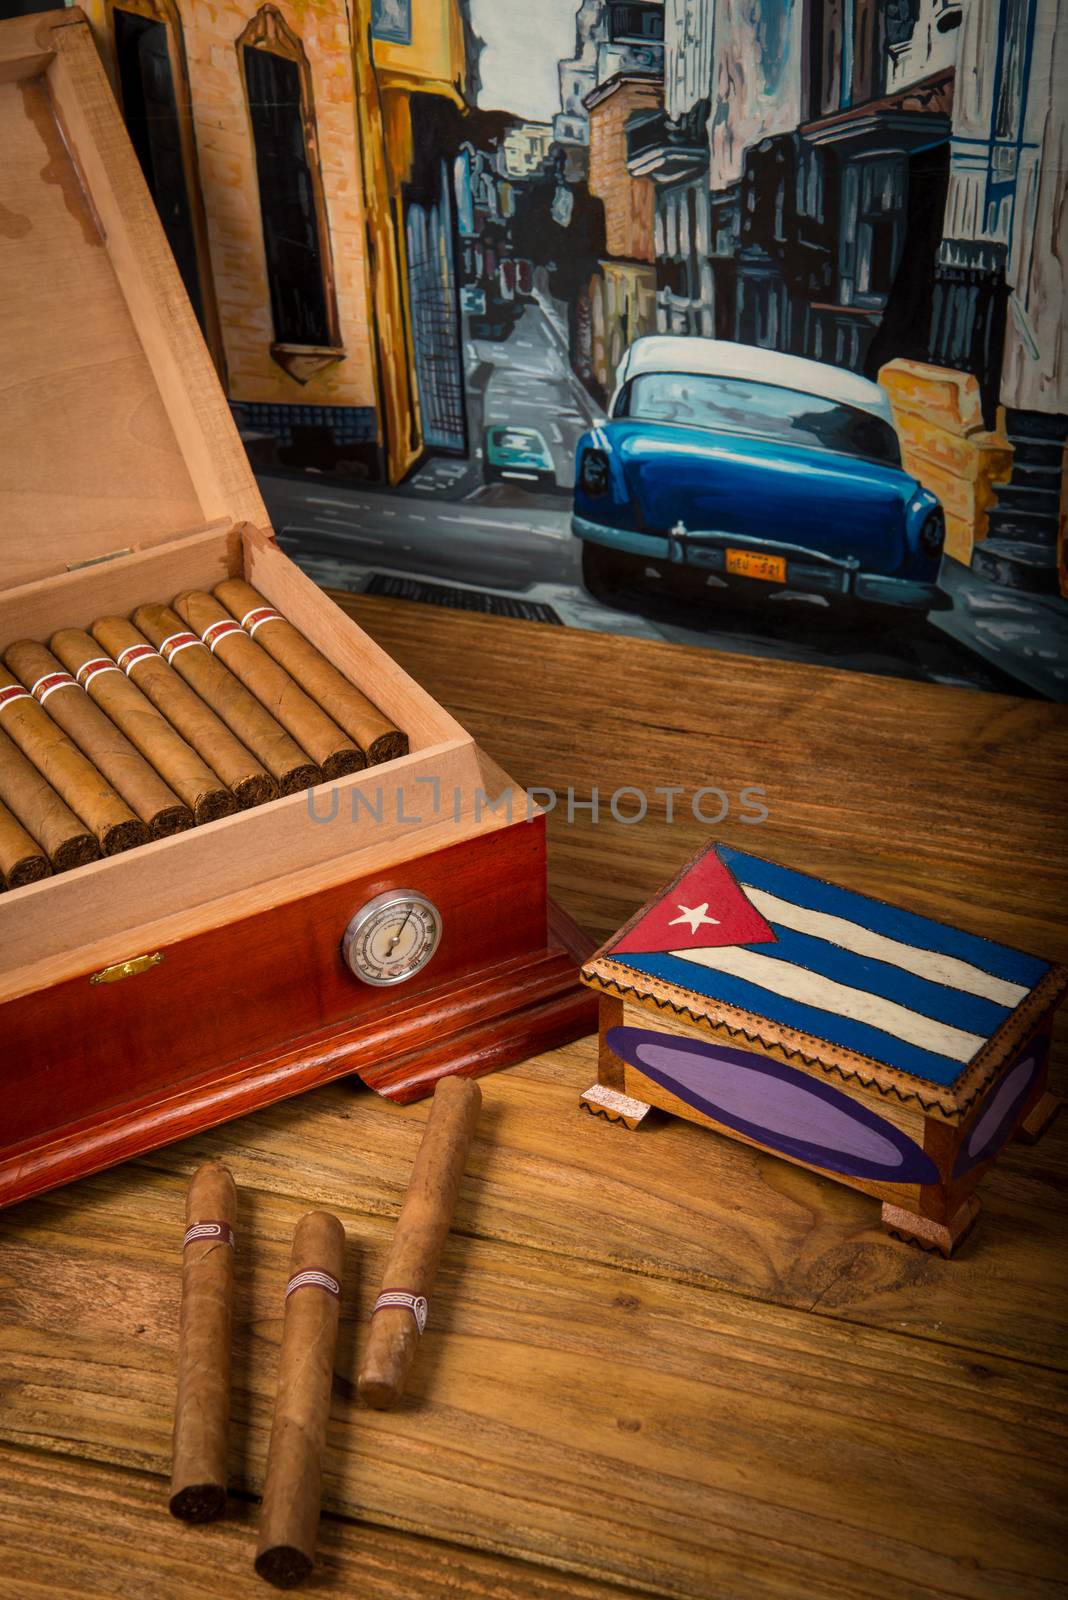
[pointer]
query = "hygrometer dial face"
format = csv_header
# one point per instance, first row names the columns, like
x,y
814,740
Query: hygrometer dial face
x,y
392,937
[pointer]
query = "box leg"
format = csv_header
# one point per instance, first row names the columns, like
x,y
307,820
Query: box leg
x,y
925,1231
1039,1118
612,1104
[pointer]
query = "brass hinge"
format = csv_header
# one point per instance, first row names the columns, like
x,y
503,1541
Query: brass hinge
x,y
127,969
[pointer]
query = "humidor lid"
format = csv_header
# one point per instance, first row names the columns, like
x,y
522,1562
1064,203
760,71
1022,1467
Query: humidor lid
x,y
116,433
834,982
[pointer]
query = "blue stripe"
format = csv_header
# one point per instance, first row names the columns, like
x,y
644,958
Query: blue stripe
x,y
815,895
960,1010
827,1025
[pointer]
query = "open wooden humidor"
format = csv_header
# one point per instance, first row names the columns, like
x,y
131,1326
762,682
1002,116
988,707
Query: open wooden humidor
x,y
172,987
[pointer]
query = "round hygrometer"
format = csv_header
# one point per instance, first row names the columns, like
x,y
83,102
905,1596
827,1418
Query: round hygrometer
x,y
392,937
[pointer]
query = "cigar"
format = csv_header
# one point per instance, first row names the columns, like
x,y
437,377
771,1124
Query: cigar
x,y
21,860
365,725
61,835
328,746
97,737
237,768
217,687
162,748
74,778
400,1312
285,1552
199,1463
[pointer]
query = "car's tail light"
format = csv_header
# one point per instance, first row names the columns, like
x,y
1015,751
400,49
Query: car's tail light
x,y
933,533
593,477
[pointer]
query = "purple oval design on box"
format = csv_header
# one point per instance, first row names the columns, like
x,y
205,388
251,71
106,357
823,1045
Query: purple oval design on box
x,y
777,1106
999,1111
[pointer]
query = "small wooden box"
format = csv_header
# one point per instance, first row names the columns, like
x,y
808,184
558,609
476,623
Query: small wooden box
x,y
124,481
895,1054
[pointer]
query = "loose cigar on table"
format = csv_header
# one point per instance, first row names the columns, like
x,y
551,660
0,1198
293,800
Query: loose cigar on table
x,y
97,737
62,836
21,858
63,765
202,1410
361,719
249,782
289,1519
314,731
242,713
400,1312
161,746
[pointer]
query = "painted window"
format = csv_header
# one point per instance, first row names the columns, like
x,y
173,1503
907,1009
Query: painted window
x,y
759,411
392,20
638,22
154,91
296,243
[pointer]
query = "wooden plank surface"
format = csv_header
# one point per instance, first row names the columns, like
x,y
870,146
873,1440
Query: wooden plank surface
x,y
949,800
658,1362
116,1545
605,1422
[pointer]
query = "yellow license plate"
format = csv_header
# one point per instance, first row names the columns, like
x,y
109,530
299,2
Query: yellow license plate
x,y
748,564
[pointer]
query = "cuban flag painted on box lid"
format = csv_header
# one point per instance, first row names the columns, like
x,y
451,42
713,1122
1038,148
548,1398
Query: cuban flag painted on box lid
x,y
917,995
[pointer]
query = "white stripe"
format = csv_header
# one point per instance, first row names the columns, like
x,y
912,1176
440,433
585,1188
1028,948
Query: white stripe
x,y
313,1278
810,989
949,971
65,682
274,618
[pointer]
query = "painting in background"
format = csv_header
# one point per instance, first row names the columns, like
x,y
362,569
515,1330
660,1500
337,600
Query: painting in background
x,y
424,236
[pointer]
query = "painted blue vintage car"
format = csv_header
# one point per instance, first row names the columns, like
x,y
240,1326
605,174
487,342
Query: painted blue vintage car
x,y
741,467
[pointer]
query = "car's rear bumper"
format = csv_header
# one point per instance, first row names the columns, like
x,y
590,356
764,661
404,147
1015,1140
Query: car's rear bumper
x,y
809,571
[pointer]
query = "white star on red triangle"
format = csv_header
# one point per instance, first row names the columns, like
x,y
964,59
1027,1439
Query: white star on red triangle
x,y
696,916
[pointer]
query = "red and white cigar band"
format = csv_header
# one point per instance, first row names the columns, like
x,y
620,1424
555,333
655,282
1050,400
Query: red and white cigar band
x,y
209,1230
16,692
92,669
50,683
256,618
176,644
401,1300
217,631
128,658
313,1279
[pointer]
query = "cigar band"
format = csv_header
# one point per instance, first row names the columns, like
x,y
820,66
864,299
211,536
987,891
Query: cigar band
x,y
313,1279
256,618
129,657
16,692
209,1230
401,1300
176,644
50,683
91,669
218,631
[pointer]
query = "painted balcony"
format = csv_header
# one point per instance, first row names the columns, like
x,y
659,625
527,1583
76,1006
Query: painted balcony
x,y
668,151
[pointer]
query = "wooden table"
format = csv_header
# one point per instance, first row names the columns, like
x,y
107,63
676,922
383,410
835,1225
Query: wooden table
x,y
658,1362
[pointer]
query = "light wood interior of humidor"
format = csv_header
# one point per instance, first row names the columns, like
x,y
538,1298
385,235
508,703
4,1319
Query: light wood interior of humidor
x,y
116,433
103,913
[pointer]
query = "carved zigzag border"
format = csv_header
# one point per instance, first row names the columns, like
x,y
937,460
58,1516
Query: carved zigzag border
x,y
952,1113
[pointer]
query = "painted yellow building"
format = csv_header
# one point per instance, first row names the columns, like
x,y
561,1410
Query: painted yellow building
x,y
278,140
945,445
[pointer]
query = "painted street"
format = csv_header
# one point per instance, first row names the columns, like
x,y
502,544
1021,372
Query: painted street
x,y
507,545
350,538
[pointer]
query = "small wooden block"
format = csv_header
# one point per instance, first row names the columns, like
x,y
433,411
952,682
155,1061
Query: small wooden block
x,y
1039,1118
600,1101
928,1234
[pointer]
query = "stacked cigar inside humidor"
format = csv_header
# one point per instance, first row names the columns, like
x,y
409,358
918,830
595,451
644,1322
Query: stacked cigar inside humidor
x,y
174,716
